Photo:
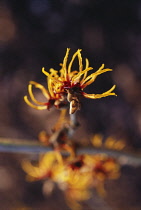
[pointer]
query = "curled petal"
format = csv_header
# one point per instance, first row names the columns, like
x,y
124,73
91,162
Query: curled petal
x,y
73,57
105,94
44,91
34,106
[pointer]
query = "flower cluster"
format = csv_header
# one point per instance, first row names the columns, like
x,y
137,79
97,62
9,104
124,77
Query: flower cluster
x,y
67,85
74,176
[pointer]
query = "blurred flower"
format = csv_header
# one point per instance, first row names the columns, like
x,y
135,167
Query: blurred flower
x,y
109,143
67,84
75,181
104,167
75,176
77,188
47,167
112,143
97,140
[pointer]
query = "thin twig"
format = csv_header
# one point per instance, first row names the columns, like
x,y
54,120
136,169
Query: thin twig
x,y
27,147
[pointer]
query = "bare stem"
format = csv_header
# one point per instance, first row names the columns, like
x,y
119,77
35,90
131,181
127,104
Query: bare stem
x,y
73,124
27,147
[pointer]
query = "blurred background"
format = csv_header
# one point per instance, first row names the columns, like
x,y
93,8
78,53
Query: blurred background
x,y
35,34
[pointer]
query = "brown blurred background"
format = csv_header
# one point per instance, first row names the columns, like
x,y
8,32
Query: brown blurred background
x,y
35,34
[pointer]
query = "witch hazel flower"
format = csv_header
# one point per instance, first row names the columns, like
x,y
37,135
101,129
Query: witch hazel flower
x,y
67,85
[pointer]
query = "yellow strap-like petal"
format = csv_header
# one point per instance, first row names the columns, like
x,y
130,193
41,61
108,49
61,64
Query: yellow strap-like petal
x,y
92,77
105,94
85,74
34,106
44,91
51,86
80,61
78,76
64,65
49,75
72,60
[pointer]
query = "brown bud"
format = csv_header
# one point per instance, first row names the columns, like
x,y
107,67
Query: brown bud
x,y
69,96
74,106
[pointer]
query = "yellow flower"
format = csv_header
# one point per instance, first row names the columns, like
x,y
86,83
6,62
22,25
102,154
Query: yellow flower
x,y
67,84
75,176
